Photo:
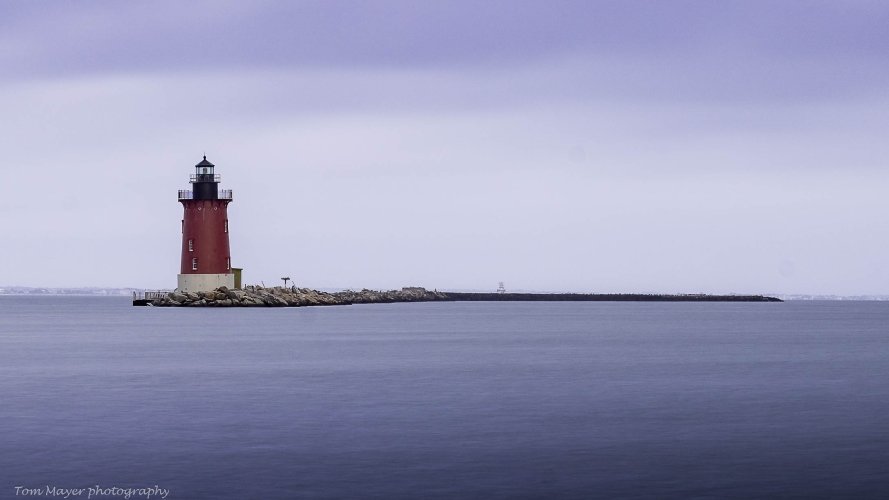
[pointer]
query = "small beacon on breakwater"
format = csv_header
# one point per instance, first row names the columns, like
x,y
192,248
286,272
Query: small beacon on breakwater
x,y
206,255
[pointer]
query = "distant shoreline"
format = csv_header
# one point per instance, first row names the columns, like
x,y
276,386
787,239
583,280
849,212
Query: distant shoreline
x,y
112,292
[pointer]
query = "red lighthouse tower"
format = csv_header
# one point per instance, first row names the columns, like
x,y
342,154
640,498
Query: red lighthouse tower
x,y
206,258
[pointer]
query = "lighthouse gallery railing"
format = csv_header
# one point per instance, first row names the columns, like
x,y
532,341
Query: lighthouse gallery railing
x,y
204,178
187,194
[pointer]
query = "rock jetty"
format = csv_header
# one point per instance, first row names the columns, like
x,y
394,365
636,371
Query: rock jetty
x,y
257,296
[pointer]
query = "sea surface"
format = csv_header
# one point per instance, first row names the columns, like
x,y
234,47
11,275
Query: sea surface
x,y
447,400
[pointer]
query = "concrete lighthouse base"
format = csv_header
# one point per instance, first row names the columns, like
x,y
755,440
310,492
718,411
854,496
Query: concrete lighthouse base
x,y
204,282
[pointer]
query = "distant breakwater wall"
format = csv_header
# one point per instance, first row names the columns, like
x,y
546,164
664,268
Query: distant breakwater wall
x,y
605,297
256,296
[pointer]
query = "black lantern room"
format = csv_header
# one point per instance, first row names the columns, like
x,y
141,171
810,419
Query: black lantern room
x,y
205,183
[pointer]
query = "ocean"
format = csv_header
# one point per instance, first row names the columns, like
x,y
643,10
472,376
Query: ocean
x,y
445,400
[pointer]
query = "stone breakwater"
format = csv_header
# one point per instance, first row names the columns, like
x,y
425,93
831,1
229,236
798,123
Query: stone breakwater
x,y
257,296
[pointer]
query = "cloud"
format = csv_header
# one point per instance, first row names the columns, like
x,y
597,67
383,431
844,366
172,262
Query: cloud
x,y
546,192
551,146
197,36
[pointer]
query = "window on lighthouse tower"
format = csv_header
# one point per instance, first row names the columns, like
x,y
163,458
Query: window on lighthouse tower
x,y
194,264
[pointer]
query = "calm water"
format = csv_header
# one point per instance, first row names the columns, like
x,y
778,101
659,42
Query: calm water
x,y
463,400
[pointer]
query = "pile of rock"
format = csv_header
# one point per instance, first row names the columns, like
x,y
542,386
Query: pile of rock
x,y
257,296
407,294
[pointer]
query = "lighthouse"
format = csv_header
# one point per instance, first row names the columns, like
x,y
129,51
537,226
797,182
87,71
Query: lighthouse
x,y
206,258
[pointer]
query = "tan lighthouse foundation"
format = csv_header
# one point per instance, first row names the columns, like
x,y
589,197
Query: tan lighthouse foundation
x,y
204,282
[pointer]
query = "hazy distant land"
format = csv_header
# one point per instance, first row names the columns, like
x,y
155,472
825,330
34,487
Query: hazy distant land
x,y
88,291
124,292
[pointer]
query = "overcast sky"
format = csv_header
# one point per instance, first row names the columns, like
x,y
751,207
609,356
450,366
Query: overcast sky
x,y
588,146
